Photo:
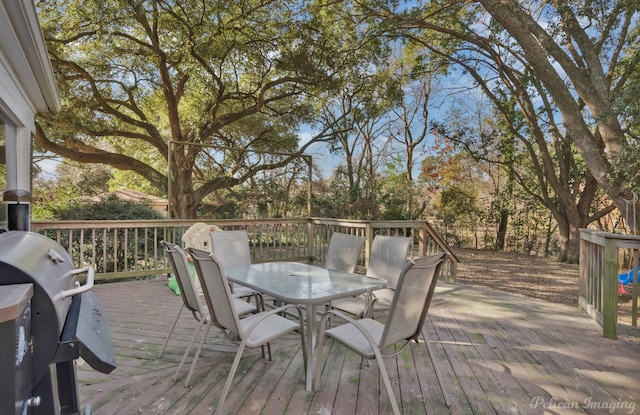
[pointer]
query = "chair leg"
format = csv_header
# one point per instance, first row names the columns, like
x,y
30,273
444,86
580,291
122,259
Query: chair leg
x,y
232,372
259,302
173,326
186,352
264,355
196,356
328,307
387,383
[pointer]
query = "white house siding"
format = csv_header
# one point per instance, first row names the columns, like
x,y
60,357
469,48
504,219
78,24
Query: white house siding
x,y
27,86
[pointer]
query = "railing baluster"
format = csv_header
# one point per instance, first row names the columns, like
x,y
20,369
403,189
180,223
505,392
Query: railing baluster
x,y
109,244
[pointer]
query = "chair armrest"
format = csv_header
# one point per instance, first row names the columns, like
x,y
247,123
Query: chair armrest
x,y
266,314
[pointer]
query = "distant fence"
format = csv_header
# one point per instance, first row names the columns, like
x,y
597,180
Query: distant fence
x,y
521,238
604,257
130,249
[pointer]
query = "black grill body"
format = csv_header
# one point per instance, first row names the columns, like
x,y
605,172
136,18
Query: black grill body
x,y
52,321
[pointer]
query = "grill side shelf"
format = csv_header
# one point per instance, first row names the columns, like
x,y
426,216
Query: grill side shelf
x,y
87,334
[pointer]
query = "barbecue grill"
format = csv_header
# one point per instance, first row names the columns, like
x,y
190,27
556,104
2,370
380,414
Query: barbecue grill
x,y
47,321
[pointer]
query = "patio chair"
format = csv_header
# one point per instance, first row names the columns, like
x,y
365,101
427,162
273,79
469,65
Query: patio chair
x,y
372,339
253,331
344,252
387,260
191,301
232,250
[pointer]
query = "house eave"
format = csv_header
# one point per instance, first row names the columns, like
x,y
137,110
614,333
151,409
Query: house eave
x,y
24,47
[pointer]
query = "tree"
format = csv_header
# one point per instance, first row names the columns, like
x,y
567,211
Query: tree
x,y
397,193
355,115
63,193
463,190
587,46
418,76
358,120
571,56
208,82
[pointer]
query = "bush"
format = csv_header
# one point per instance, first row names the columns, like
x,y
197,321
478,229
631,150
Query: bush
x,y
109,208
103,242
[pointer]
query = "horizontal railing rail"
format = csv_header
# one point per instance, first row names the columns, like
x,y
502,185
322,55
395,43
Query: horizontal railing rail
x,y
131,249
605,259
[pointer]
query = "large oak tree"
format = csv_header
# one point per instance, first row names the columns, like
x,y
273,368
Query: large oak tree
x,y
562,65
213,83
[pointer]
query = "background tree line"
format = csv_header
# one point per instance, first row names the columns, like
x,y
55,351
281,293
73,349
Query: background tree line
x,y
480,110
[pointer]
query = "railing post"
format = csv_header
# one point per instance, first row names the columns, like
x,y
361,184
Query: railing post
x,y
311,240
422,240
610,289
583,267
368,233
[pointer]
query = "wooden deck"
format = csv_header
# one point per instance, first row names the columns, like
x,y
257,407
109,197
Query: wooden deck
x,y
496,353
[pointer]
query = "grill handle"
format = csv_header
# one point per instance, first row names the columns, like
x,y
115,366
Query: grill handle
x,y
88,284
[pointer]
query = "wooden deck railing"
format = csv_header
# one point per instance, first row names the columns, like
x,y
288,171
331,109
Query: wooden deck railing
x,y
130,249
602,258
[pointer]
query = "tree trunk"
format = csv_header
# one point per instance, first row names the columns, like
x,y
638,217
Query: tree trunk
x,y
502,230
570,220
183,203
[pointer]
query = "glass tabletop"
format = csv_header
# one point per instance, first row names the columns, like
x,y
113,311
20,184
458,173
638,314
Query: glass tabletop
x,y
299,283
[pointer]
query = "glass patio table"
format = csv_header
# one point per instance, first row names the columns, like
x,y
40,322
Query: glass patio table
x,y
303,284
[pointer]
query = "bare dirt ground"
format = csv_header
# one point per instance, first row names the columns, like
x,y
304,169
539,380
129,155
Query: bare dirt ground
x,y
519,274
528,276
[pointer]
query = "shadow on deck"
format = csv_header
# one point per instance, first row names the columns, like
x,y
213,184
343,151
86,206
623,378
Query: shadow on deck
x,y
496,353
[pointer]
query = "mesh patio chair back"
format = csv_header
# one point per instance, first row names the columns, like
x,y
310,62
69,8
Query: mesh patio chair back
x,y
190,301
344,252
232,250
186,283
371,338
217,291
411,300
389,256
231,247
253,331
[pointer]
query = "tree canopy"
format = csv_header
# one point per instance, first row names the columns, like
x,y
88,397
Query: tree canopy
x,y
554,73
209,95
208,82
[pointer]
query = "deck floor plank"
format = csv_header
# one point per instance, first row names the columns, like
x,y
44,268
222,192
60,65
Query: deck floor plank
x,y
291,380
495,353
